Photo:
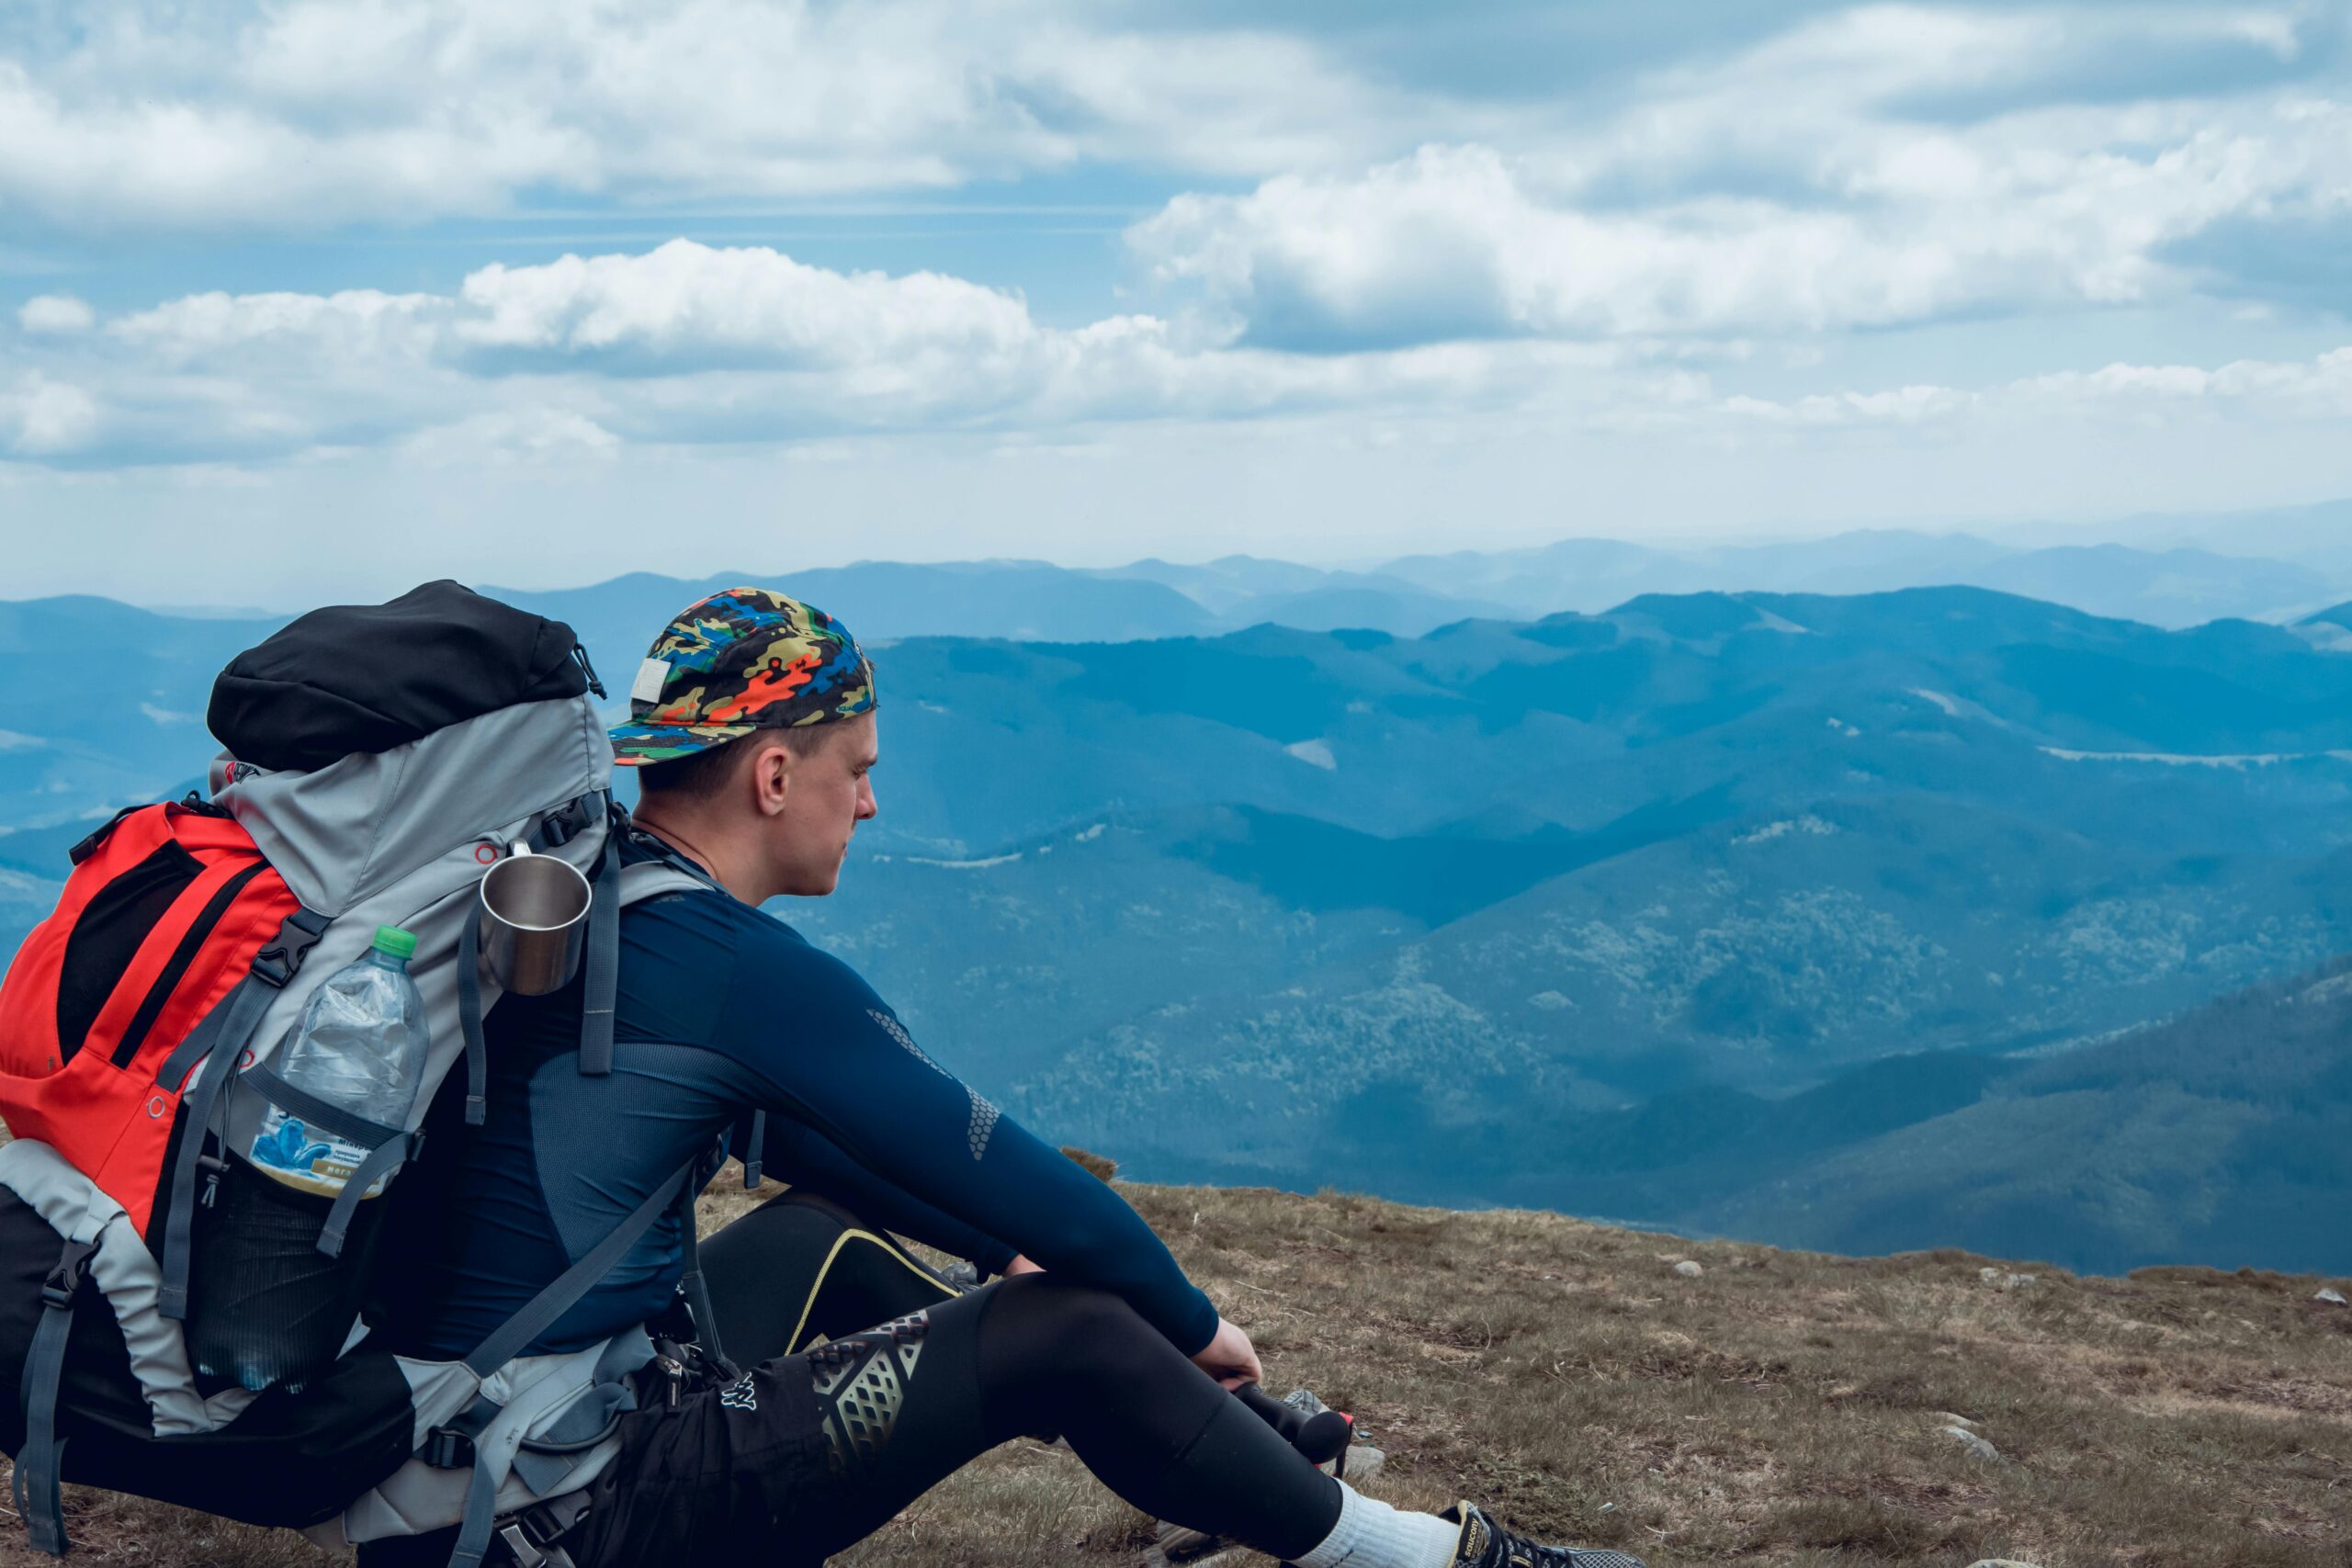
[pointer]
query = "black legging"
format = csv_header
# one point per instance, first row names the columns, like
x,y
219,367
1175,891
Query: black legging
x,y
1022,1357
948,1377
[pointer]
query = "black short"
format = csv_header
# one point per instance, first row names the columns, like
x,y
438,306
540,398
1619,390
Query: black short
x,y
729,1475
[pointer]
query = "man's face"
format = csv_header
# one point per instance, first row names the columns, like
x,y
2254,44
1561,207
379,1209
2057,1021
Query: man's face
x,y
829,791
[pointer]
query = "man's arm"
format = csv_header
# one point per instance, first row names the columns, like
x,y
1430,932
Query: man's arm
x,y
840,1062
804,1157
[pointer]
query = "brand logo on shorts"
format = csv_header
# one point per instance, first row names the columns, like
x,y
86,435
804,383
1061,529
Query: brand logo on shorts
x,y
739,1394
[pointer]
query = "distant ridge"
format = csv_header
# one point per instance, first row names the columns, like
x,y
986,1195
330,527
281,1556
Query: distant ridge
x,y
2279,566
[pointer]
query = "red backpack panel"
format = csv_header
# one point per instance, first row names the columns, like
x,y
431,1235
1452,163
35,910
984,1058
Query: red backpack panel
x,y
161,917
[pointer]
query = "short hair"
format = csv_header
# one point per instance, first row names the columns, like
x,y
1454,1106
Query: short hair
x,y
703,776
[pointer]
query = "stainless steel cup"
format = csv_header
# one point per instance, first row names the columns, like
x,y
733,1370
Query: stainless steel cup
x,y
533,922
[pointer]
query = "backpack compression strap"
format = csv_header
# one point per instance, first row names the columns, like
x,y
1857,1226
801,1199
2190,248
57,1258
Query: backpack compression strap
x,y
387,1147
213,1048
469,1018
40,1464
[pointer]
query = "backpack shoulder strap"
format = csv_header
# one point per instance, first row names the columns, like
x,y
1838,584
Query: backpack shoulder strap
x,y
513,1337
603,961
667,872
651,878
602,964
675,874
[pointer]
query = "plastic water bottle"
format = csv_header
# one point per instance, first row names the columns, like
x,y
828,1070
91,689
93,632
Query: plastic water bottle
x,y
266,1306
361,1048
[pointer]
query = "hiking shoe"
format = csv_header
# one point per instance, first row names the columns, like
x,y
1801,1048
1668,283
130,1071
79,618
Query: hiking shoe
x,y
1486,1544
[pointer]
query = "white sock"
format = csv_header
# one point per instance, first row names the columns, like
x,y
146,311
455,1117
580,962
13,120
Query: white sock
x,y
1371,1534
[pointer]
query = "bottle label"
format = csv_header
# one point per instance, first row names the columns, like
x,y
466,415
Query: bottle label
x,y
305,1159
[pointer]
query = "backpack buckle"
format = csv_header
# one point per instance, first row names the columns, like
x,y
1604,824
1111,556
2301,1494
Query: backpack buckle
x,y
550,1521
532,1537
65,1281
566,823
519,1550
281,959
446,1448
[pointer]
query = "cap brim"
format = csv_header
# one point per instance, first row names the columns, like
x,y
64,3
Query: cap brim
x,y
635,745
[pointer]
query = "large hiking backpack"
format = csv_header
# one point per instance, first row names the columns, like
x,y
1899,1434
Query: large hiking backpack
x,y
378,760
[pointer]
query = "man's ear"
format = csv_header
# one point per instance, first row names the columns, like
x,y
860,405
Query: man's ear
x,y
770,773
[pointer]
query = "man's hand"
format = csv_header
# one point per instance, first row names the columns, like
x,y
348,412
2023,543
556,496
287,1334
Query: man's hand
x,y
1231,1358
1021,1265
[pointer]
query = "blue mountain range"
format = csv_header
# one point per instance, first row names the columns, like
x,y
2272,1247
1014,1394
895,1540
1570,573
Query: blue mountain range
x,y
1865,920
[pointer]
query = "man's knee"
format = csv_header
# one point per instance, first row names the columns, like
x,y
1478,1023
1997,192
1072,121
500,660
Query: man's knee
x,y
1073,1330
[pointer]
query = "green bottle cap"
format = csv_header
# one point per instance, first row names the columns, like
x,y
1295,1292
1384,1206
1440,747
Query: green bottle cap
x,y
396,943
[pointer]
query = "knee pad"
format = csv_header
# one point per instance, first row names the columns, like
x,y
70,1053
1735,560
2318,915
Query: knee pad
x,y
861,1381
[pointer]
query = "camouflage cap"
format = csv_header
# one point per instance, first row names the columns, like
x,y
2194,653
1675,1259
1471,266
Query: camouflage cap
x,y
744,659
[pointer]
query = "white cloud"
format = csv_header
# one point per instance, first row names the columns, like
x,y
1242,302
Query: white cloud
x,y
1879,166
1917,225
1902,405
689,343
352,325
1874,166
42,418
1454,243
1410,261
690,305
304,115
2317,390
55,313
103,160
529,433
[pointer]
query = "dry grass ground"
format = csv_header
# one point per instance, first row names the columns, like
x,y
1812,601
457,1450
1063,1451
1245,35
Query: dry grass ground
x,y
1782,1408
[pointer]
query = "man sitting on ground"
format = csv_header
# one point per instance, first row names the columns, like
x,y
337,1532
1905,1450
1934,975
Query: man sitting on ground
x,y
755,733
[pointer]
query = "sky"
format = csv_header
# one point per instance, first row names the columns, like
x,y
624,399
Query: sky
x,y
334,294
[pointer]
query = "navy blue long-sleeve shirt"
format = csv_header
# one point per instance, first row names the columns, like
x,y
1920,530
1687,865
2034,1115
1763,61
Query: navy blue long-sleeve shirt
x,y
722,1009
800,1155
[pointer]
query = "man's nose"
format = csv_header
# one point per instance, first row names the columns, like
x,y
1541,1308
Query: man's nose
x,y
866,805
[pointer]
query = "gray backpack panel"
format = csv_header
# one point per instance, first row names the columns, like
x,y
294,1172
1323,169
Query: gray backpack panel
x,y
402,838
349,830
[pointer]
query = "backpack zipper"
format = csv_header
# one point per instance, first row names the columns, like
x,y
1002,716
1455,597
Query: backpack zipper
x,y
135,1034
